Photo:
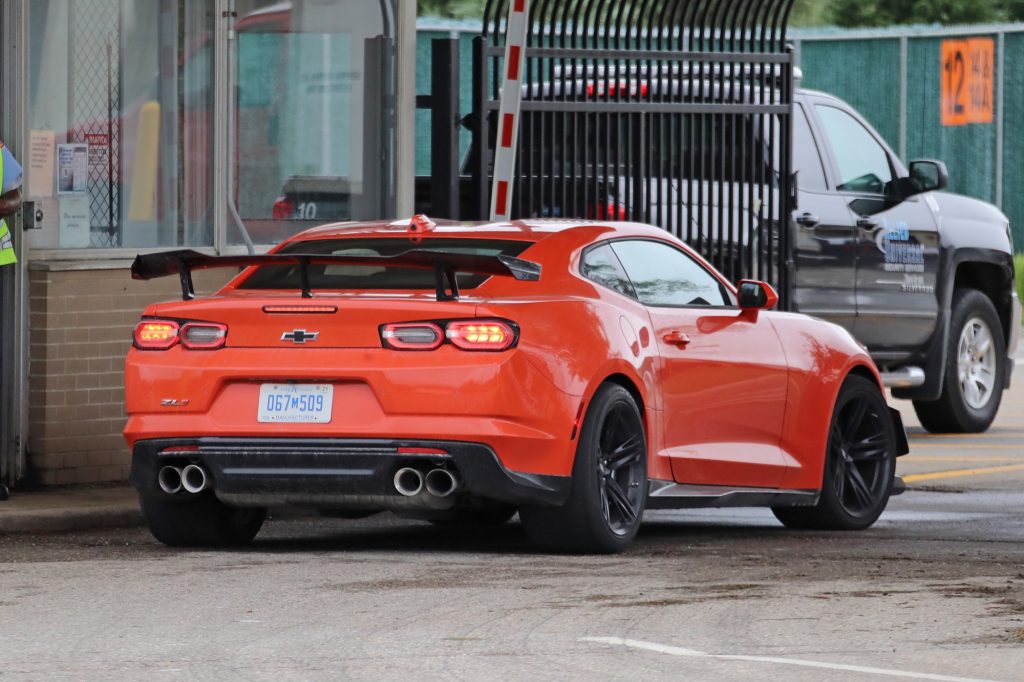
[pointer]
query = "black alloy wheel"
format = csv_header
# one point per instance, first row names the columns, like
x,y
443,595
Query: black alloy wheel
x,y
860,463
609,482
622,468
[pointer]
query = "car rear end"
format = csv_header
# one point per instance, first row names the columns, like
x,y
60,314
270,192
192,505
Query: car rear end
x,y
362,387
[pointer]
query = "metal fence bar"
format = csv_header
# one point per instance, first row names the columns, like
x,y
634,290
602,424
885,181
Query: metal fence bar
x,y
903,98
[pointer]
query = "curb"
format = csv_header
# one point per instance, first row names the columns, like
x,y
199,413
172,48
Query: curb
x,y
63,520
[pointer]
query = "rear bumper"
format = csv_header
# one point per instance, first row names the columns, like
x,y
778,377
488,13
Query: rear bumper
x,y
337,473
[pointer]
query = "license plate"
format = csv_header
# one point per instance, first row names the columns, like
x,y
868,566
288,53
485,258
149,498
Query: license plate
x,y
295,403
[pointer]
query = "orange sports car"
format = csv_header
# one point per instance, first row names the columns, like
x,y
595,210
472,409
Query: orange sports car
x,y
576,372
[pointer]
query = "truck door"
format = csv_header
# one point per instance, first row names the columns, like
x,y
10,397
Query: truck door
x,y
897,240
825,241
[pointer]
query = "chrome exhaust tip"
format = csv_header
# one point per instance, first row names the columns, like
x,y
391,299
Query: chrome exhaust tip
x,y
408,481
441,482
169,480
194,479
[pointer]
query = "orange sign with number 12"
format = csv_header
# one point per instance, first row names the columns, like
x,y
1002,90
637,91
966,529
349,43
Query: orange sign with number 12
x,y
968,81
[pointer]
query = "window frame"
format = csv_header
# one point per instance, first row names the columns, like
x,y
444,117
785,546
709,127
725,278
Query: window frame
x,y
727,289
833,161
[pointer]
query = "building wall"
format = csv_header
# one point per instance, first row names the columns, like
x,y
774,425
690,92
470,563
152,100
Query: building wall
x,y
80,326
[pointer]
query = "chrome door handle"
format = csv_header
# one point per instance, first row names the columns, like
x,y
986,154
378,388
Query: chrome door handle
x,y
808,220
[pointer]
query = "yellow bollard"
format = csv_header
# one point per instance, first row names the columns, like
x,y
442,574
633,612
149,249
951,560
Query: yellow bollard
x,y
143,201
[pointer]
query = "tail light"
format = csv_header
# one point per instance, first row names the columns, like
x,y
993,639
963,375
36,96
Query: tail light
x,y
611,211
481,335
283,209
417,336
165,334
472,335
156,334
203,335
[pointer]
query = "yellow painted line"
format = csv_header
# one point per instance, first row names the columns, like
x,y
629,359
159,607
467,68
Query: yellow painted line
x,y
962,473
966,446
957,458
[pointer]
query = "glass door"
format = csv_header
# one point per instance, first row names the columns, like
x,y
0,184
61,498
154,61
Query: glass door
x,y
314,114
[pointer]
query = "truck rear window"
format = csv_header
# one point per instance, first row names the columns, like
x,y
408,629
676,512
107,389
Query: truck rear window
x,y
374,277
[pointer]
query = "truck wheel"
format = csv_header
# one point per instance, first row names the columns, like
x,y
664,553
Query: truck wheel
x,y
201,522
609,482
975,369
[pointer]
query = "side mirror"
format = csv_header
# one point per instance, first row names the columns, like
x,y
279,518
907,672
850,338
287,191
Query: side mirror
x,y
929,176
757,295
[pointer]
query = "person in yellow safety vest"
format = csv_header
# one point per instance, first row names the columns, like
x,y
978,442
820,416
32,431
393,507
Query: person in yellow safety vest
x,y
10,201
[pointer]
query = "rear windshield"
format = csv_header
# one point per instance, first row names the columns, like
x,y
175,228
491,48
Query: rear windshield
x,y
374,277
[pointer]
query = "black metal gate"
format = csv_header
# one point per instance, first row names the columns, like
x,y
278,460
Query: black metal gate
x,y
675,113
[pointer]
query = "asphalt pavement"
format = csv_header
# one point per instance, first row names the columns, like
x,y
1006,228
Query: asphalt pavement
x,y
935,591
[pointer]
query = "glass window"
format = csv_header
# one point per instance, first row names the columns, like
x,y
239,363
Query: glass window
x,y
806,158
863,162
601,265
121,123
665,276
344,277
313,91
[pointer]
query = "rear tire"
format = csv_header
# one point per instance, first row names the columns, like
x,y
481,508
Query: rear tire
x,y
203,521
609,482
975,369
860,463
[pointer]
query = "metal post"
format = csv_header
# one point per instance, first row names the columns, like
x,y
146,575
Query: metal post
x,y
1000,102
479,159
444,129
903,98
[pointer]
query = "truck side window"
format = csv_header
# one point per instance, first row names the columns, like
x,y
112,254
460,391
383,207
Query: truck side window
x,y
863,163
806,158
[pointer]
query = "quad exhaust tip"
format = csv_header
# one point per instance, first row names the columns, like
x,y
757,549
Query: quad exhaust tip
x,y
441,483
408,481
194,479
169,479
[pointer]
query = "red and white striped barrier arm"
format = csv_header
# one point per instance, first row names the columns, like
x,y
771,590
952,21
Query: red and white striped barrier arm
x,y
509,109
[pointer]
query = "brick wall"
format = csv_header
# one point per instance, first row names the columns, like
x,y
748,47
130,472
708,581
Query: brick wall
x,y
81,317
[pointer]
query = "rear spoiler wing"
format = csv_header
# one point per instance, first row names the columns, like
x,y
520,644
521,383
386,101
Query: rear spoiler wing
x,y
444,265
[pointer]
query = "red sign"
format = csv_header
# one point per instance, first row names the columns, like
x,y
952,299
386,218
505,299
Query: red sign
x,y
97,139
968,81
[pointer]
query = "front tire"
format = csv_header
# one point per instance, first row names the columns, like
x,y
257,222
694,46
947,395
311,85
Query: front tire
x,y
609,482
972,388
203,521
860,463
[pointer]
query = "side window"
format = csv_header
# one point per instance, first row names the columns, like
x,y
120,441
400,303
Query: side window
x,y
664,276
601,266
806,158
863,163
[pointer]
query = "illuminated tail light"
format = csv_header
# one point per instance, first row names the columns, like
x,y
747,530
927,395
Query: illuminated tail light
x,y
416,336
492,335
203,335
283,209
156,334
611,211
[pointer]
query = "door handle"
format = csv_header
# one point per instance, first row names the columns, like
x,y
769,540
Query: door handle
x,y
867,223
808,220
677,338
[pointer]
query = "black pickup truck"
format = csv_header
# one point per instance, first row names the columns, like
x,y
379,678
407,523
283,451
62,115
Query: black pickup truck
x,y
923,277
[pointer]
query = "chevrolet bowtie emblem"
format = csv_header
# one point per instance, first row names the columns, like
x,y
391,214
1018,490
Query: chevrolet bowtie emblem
x,y
299,336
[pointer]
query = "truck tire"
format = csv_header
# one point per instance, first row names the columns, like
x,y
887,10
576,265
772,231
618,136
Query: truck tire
x,y
975,369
